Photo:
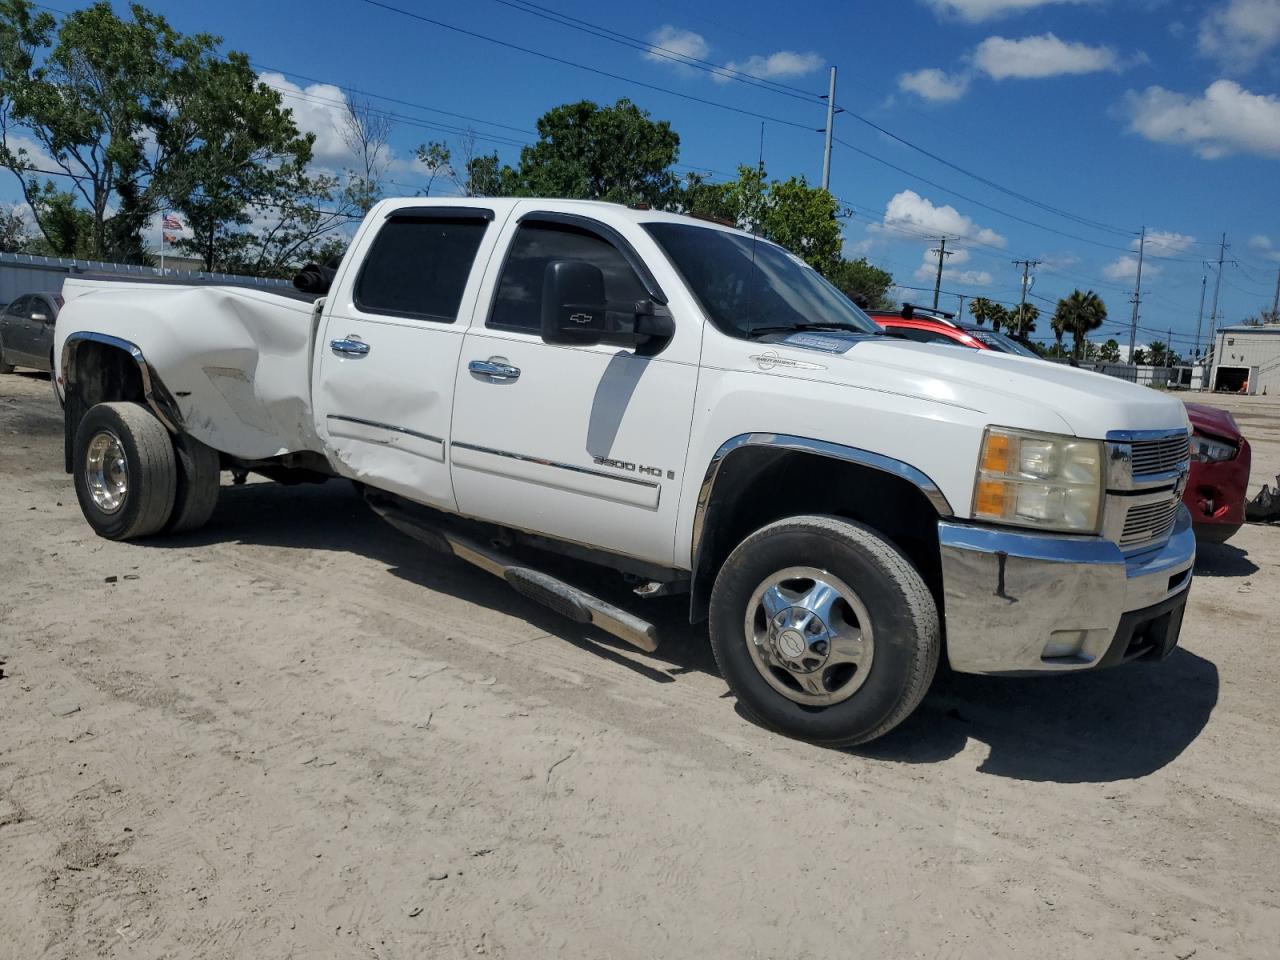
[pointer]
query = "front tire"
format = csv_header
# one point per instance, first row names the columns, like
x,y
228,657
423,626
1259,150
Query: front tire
x,y
126,474
824,631
4,367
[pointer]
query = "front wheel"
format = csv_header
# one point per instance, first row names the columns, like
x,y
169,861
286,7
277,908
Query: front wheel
x,y
824,631
126,475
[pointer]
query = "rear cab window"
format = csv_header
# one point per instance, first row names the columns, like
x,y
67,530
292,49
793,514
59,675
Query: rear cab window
x,y
419,264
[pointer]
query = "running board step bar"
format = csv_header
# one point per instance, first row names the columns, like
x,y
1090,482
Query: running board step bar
x,y
566,600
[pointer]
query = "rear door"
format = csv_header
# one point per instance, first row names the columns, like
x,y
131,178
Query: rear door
x,y
582,443
44,314
389,348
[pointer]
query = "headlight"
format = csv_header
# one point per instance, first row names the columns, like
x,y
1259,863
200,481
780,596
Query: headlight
x,y
1039,480
1211,451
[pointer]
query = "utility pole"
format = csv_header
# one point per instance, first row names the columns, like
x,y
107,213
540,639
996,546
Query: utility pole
x,y
829,130
1026,269
1275,303
1137,295
961,313
1204,280
1213,315
942,252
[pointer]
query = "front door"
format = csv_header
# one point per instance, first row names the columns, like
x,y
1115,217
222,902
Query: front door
x,y
389,347
585,444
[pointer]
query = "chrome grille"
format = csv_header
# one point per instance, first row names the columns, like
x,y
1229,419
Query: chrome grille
x,y
1149,521
1159,456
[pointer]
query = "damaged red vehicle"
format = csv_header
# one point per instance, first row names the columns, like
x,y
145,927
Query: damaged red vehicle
x,y
1219,482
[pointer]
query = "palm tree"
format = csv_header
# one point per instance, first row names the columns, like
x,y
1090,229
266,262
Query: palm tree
x,y
999,315
1078,314
1023,320
980,308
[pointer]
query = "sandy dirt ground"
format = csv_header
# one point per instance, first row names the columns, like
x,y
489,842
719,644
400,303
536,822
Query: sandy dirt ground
x,y
296,734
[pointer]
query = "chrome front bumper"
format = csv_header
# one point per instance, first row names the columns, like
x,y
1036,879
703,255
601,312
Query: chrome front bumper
x,y
1038,603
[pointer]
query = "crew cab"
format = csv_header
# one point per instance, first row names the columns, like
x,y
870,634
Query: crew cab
x,y
679,401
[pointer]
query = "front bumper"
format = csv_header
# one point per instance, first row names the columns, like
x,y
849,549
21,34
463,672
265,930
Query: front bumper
x,y
1025,602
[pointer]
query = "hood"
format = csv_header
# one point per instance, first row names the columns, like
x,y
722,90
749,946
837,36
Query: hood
x,y
1213,420
1010,390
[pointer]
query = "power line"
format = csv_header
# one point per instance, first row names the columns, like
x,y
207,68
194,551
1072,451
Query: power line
x,y
583,66
652,49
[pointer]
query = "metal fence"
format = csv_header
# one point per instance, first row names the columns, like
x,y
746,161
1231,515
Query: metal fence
x,y
21,273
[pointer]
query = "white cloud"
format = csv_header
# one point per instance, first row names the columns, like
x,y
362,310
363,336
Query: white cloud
x,y
934,84
784,63
976,11
1041,56
910,211
1126,268
1227,119
1238,33
319,109
1264,246
1165,243
35,153
678,42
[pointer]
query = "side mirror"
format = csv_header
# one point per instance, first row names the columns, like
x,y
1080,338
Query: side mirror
x,y
575,311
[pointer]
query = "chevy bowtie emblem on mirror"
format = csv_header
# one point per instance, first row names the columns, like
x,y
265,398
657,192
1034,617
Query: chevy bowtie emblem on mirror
x,y
580,317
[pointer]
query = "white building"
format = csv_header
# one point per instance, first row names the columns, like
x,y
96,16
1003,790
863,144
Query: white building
x,y
1247,360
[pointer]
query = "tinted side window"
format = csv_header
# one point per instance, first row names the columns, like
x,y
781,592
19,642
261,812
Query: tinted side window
x,y
419,267
518,303
19,307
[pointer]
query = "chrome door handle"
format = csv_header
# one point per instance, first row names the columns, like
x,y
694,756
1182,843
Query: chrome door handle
x,y
495,369
349,346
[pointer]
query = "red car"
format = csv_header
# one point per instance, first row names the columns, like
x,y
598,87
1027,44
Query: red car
x,y
935,326
1218,487
1220,457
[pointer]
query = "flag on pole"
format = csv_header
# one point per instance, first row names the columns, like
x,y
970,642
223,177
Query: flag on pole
x,y
171,222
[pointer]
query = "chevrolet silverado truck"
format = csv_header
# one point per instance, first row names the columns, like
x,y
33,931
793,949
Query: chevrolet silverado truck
x,y
681,402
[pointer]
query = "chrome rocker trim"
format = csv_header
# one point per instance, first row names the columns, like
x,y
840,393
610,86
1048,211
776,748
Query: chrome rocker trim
x,y
1041,603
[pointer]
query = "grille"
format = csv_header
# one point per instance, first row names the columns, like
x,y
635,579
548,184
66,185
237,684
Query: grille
x,y
1159,456
1149,521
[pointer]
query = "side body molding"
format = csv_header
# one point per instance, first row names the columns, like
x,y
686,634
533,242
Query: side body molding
x,y
158,399
787,442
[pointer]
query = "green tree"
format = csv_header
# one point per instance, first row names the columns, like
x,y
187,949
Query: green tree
x,y
134,116
1109,352
588,152
981,309
999,317
1025,325
13,230
860,281
1079,314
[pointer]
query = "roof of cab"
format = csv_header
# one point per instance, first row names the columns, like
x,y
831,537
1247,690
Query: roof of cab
x,y
600,209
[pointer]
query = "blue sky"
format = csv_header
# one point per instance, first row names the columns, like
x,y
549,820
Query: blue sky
x,y
1120,113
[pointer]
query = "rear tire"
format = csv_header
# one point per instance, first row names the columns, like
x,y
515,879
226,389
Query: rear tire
x,y
199,482
824,631
126,474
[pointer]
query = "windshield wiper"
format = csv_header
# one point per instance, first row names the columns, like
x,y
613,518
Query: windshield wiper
x,y
797,327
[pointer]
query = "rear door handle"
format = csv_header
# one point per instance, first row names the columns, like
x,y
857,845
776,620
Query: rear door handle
x,y
349,346
495,368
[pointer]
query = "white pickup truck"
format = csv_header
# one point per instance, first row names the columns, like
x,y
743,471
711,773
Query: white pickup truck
x,y
678,401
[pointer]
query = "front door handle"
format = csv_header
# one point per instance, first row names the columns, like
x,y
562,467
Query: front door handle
x,y
349,346
495,368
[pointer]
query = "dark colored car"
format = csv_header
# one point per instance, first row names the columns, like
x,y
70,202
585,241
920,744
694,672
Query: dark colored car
x,y
928,326
26,332
1219,482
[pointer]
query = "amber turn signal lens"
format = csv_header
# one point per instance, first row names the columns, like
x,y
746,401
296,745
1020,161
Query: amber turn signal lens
x,y
992,497
997,453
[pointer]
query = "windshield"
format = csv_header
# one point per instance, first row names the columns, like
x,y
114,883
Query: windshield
x,y
998,341
746,285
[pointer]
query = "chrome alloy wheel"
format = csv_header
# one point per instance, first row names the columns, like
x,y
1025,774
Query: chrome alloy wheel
x,y
809,636
105,472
